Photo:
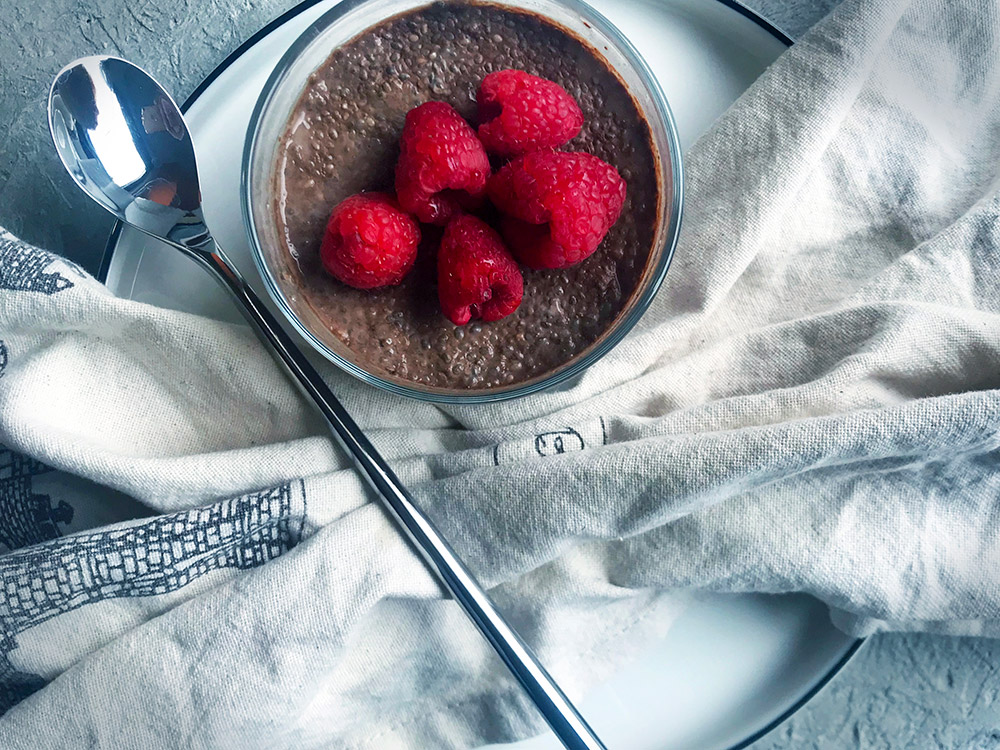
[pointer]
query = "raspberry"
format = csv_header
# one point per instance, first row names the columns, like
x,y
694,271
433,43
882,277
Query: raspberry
x,y
520,113
442,164
477,277
369,241
558,206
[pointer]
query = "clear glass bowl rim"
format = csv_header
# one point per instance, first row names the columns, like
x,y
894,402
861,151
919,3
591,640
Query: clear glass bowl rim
x,y
675,205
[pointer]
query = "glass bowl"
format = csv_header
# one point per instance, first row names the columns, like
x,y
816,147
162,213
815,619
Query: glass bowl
x,y
346,21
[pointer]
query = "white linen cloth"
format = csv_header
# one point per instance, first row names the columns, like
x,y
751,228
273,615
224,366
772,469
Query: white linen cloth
x,y
810,405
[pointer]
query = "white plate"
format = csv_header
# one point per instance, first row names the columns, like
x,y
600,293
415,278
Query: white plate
x,y
732,667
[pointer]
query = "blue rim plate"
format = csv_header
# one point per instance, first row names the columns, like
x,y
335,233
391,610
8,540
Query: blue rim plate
x,y
777,34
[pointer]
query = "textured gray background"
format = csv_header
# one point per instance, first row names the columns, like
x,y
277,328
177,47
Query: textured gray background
x,y
900,691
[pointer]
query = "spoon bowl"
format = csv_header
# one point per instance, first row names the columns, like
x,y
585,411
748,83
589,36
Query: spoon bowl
x,y
123,140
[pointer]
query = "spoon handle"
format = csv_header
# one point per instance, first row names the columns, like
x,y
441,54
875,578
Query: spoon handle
x,y
565,721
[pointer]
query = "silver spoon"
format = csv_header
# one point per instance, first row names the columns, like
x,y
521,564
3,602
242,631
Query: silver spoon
x,y
124,141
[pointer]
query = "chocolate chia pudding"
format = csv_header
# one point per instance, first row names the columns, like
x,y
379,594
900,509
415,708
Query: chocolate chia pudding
x,y
342,139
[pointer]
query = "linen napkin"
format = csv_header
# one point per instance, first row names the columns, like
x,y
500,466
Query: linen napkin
x,y
811,404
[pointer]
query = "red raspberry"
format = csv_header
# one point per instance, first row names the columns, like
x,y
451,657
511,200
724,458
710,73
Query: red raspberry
x,y
442,164
520,113
559,206
369,241
477,277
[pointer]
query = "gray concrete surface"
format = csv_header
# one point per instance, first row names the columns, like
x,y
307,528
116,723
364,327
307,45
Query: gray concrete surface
x,y
900,691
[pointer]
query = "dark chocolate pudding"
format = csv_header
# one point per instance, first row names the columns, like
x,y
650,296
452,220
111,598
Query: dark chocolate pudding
x,y
342,138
